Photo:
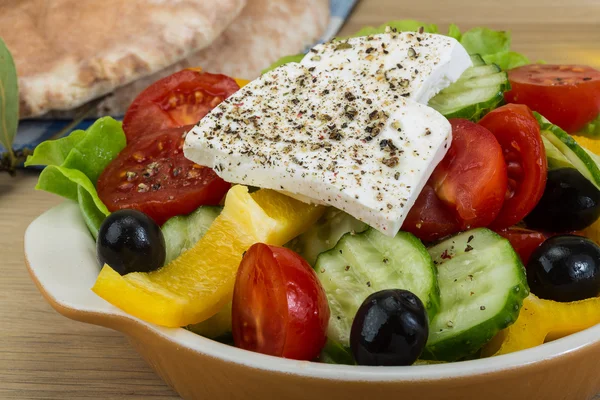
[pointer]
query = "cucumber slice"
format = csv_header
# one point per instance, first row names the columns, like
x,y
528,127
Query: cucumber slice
x,y
482,283
555,158
335,353
216,326
481,70
182,232
477,60
364,263
324,235
479,90
583,160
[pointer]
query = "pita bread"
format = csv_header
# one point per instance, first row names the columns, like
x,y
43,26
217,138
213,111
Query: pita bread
x,y
68,52
264,31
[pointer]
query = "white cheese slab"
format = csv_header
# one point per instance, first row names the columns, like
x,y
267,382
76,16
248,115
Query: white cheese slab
x,y
411,64
324,138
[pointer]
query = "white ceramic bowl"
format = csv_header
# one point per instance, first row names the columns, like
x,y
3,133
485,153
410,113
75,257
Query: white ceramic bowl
x,y
61,257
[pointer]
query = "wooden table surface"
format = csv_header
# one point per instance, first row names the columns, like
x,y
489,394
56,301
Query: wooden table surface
x,y
44,355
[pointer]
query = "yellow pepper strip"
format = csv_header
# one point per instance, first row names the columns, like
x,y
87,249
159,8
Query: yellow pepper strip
x,y
592,145
241,82
542,320
199,283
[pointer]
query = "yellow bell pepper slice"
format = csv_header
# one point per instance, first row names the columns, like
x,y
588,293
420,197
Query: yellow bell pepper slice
x,y
592,145
199,283
241,82
542,320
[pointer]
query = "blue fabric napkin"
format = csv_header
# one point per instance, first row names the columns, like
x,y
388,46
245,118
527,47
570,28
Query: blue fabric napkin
x,y
33,132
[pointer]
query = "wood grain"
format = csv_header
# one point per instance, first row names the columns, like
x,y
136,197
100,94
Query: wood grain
x,y
46,356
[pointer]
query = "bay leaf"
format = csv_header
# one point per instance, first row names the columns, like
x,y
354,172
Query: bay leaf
x,y
9,98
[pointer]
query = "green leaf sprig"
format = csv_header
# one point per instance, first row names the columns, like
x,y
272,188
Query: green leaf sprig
x,y
9,104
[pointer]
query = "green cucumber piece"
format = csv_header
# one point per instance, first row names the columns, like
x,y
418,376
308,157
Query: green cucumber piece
x,y
482,284
335,353
364,263
479,90
324,234
555,158
591,129
216,326
183,231
583,160
477,60
482,70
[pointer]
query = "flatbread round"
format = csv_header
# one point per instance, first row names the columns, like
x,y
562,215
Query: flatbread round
x,y
68,52
264,31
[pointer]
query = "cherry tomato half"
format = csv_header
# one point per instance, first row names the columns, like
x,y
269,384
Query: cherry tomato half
x,y
177,100
466,190
524,241
568,95
279,305
153,176
518,133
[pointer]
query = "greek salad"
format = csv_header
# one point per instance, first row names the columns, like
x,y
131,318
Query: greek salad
x,y
400,196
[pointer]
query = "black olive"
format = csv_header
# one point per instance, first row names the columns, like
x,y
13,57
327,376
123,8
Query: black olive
x,y
565,268
390,328
570,202
130,241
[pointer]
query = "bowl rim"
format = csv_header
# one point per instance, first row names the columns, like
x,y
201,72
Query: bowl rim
x,y
114,318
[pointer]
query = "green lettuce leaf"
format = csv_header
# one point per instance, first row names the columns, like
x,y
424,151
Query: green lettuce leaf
x,y
507,59
74,163
55,152
454,31
75,185
484,41
284,60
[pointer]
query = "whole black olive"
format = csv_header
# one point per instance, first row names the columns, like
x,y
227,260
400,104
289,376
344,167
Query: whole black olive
x,y
390,328
130,241
565,268
570,202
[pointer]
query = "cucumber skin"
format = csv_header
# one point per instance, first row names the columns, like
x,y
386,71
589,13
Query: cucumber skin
x,y
471,341
551,131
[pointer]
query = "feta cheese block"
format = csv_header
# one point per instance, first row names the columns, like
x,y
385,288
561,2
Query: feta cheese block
x,y
325,139
411,64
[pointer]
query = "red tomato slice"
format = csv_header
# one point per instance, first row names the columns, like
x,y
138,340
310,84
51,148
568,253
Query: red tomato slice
x,y
518,133
153,176
524,241
466,190
177,100
568,95
279,305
